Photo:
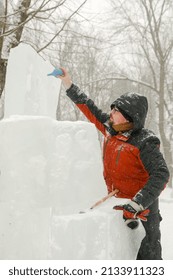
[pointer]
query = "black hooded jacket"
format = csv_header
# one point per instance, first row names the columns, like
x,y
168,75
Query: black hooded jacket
x,y
135,106
141,147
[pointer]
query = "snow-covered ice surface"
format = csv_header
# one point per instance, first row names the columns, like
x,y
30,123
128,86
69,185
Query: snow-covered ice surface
x,y
50,171
28,90
166,208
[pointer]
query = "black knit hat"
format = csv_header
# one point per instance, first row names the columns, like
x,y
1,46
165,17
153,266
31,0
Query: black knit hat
x,y
125,115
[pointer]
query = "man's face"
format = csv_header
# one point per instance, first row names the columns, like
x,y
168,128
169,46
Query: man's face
x,y
116,117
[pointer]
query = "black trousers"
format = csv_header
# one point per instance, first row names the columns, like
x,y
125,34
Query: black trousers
x,y
150,248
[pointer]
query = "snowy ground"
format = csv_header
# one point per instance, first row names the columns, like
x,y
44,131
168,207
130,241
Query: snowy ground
x,y
166,207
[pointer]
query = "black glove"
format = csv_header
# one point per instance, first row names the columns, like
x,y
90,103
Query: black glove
x,y
132,212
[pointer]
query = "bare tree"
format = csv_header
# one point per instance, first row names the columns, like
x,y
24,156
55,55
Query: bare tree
x,y
82,55
17,23
145,30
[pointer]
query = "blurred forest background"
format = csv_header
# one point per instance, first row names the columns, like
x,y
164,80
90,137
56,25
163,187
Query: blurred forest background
x,y
125,46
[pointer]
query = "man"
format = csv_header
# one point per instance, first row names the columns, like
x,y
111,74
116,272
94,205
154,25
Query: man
x,y
133,163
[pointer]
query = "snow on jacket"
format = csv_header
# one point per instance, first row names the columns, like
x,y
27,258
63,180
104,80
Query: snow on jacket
x,y
133,163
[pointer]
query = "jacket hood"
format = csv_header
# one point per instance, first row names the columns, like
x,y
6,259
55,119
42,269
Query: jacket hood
x,y
135,106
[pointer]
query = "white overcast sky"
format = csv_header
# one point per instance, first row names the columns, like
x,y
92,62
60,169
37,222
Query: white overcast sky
x,y
97,5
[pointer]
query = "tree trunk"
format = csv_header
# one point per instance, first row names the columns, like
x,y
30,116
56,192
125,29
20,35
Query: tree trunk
x,y
162,124
3,67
